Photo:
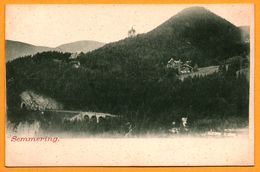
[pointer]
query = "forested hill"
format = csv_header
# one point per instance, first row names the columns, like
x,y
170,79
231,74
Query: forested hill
x,y
15,49
194,33
130,78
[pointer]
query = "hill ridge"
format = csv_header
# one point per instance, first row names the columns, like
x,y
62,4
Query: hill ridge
x,y
15,49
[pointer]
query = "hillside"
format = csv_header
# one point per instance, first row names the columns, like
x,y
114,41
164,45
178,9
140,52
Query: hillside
x,y
195,34
33,101
15,49
201,72
129,77
80,46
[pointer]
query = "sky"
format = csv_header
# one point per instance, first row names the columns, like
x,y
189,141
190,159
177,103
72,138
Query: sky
x,y
53,25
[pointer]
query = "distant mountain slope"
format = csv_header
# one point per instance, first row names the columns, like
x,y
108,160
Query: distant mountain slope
x,y
15,49
245,33
194,33
80,46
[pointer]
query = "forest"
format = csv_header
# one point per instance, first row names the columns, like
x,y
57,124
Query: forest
x,y
149,95
129,78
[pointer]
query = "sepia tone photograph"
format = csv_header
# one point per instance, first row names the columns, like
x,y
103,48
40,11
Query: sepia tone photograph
x,y
129,85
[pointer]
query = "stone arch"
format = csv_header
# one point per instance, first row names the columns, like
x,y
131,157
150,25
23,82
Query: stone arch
x,y
93,119
23,105
86,118
101,119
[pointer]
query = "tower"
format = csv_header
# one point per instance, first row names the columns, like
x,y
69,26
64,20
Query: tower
x,y
131,33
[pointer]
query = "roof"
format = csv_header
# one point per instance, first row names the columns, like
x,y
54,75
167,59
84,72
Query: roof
x,y
186,65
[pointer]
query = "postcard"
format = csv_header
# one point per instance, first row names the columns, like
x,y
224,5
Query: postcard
x,y
129,85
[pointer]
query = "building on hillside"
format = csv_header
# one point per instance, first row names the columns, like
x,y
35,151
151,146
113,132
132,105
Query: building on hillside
x,y
75,64
131,33
174,64
73,60
73,56
183,68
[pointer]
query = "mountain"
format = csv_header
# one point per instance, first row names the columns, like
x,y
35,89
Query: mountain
x,y
195,34
16,49
130,78
80,46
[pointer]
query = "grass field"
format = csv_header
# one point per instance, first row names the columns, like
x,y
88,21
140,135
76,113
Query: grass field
x,y
201,72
